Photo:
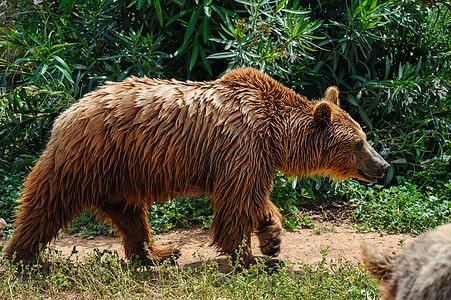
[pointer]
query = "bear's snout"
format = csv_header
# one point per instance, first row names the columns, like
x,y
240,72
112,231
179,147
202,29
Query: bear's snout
x,y
373,166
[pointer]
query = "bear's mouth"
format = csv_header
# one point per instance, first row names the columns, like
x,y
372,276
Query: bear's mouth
x,y
367,177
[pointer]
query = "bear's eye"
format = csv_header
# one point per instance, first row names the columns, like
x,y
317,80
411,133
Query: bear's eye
x,y
359,144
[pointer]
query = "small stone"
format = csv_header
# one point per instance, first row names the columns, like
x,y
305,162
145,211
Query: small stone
x,y
2,224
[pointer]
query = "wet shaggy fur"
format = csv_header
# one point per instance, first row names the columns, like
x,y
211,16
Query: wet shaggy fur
x,y
141,141
421,272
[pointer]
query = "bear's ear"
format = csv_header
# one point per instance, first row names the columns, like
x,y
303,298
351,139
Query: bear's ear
x,y
322,113
332,94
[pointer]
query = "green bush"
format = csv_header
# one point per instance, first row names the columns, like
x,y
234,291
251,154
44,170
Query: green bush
x,y
49,60
89,224
390,59
183,212
179,213
9,193
403,208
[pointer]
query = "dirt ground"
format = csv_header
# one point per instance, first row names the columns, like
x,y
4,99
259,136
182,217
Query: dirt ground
x,y
332,230
299,245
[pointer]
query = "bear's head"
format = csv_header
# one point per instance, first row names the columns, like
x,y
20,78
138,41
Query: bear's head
x,y
323,139
344,150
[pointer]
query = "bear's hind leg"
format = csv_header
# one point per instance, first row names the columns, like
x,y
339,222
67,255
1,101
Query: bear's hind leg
x,y
133,227
38,224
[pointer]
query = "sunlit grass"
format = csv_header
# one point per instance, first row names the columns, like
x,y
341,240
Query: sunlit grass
x,y
103,275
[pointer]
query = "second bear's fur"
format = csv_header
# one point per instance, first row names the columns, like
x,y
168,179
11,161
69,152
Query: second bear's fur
x,y
133,143
421,272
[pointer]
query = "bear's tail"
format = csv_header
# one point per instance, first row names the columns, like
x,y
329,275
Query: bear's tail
x,y
378,263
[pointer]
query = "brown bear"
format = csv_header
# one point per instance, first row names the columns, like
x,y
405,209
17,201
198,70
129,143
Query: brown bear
x,y
141,141
421,272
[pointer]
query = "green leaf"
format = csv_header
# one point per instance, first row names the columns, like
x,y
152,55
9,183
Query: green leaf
x,y
221,55
246,2
205,61
387,67
205,29
280,5
65,73
318,66
307,187
207,8
360,8
158,11
389,175
418,68
399,161
351,100
64,68
69,5
227,30
361,78
224,14
179,15
132,3
294,183
44,68
365,118
294,11
191,25
296,29
11,115
181,49
194,55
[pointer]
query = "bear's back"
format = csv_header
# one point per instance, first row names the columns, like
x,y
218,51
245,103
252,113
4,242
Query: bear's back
x,y
161,136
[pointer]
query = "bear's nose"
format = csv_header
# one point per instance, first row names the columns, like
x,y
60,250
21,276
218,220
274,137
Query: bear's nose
x,y
385,166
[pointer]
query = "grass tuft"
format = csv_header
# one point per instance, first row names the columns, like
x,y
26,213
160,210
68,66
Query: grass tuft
x,y
103,275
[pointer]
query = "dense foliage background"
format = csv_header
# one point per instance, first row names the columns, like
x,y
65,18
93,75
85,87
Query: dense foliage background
x,y
390,59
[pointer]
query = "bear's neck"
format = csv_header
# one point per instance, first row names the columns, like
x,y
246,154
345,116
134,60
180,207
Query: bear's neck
x,y
300,145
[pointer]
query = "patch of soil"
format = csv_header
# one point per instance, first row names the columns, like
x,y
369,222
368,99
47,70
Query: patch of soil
x,y
332,231
299,245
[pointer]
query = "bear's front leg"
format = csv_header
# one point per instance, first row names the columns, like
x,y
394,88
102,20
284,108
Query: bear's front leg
x,y
232,224
230,227
269,231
